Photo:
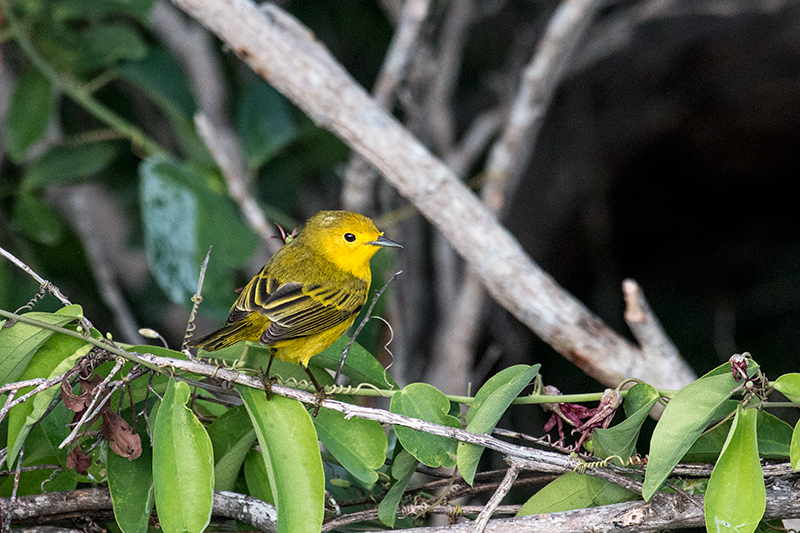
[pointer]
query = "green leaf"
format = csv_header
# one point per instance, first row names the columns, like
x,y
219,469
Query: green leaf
x,y
231,435
575,491
774,437
683,420
264,122
794,448
789,386
257,478
56,428
486,411
403,468
19,342
161,78
360,365
182,218
425,402
36,220
291,457
38,451
29,112
131,487
492,384
57,355
736,497
68,163
108,43
359,445
81,9
620,440
183,464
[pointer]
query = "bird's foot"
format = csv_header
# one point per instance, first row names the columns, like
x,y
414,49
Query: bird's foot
x,y
267,382
320,397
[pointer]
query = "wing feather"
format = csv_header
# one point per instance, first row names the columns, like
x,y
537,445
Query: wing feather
x,y
296,309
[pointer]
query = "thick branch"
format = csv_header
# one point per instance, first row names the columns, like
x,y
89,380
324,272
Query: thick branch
x,y
226,504
671,511
287,55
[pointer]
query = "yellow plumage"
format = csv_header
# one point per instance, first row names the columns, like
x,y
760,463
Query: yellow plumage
x,y
309,293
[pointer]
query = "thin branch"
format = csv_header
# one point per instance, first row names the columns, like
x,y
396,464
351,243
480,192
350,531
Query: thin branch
x,y
52,289
359,176
40,385
644,324
98,401
285,53
361,325
668,511
224,145
508,158
497,497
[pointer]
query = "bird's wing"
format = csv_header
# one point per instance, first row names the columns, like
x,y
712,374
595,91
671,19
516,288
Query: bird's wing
x,y
253,297
298,310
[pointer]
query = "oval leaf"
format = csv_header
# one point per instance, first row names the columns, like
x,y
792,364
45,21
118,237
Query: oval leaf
x,y
231,435
359,445
29,112
683,420
264,122
425,402
131,486
403,468
483,416
620,440
736,497
66,163
789,386
183,464
20,341
182,218
36,220
291,457
575,491
57,355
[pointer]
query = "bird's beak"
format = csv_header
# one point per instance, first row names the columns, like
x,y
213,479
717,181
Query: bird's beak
x,y
383,241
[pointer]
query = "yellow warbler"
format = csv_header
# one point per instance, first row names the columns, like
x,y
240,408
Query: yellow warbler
x,y
309,293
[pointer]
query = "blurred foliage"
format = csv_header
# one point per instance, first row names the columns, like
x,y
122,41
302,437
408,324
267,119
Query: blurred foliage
x,y
171,201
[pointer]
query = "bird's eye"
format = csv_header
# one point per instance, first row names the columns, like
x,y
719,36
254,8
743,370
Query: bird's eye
x,y
349,237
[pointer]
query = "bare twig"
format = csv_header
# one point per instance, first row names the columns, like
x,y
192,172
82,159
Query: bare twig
x,y
98,400
197,299
198,54
644,325
224,145
455,341
497,497
49,287
367,317
12,501
40,385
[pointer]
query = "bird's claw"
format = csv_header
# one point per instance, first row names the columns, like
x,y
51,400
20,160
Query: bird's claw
x,y
320,397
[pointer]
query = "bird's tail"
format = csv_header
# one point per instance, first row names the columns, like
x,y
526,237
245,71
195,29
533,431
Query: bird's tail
x,y
245,329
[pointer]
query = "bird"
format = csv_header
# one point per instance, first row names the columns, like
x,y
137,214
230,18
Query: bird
x,y
308,294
